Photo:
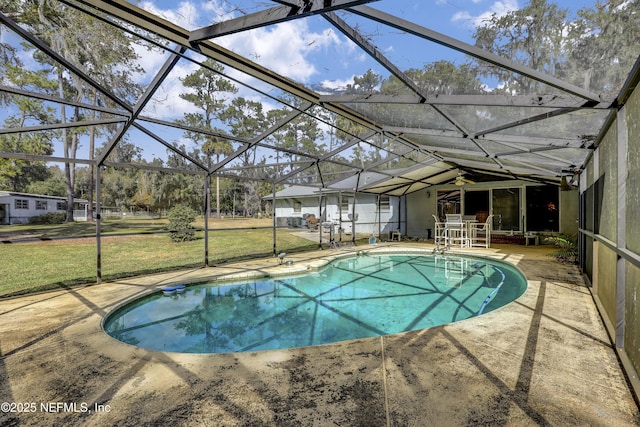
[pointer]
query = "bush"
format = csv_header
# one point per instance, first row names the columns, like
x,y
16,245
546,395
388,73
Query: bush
x,y
48,218
312,222
567,248
180,219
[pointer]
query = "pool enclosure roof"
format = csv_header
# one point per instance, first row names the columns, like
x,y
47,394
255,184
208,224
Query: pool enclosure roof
x,y
409,121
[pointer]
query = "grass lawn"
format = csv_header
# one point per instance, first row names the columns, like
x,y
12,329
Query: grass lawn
x,y
119,226
37,266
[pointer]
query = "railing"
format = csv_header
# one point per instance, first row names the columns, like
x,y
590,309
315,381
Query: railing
x,y
80,215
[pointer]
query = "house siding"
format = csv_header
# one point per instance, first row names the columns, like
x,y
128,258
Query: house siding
x,y
19,208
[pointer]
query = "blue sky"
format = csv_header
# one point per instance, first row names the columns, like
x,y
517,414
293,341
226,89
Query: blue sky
x,y
310,50
313,52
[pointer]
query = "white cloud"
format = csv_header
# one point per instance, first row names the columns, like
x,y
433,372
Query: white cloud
x,y
166,102
499,8
150,61
337,84
284,48
185,14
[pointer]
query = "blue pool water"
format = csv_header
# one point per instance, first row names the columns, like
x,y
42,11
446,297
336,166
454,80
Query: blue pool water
x,y
356,297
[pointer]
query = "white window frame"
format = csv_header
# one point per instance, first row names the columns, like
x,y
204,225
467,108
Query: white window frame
x,y
385,203
345,204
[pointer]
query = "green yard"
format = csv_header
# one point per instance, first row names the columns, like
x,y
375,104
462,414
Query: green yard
x,y
43,265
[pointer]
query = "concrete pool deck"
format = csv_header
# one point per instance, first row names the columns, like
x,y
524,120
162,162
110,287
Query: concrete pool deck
x,y
545,359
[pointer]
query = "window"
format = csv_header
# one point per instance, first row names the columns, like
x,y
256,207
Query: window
x,y
448,203
297,206
345,205
41,205
61,206
385,204
22,204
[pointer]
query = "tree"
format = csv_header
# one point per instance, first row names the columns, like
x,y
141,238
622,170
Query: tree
x,y
440,77
119,184
144,192
210,91
604,45
301,134
180,219
17,173
180,188
246,119
366,83
119,81
57,25
53,185
8,53
533,36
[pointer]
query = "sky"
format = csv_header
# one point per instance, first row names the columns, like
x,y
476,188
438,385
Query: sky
x,y
310,50
313,52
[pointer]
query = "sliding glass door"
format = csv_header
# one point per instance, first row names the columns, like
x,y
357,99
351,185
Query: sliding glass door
x,y
504,203
506,209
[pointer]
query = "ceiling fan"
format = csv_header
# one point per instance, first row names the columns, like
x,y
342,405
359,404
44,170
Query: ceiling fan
x,y
461,180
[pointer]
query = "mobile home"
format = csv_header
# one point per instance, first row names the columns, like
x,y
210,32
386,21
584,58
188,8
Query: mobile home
x,y
19,208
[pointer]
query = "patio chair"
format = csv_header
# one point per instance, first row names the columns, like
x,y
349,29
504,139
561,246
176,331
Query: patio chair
x,y
480,233
440,238
456,230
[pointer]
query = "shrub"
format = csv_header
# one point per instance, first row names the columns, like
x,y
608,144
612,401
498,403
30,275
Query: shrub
x,y
567,248
48,218
312,222
180,219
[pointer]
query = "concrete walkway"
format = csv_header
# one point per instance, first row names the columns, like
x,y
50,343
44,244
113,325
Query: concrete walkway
x,y
543,360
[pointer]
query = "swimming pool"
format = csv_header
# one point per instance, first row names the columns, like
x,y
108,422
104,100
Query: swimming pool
x,y
355,297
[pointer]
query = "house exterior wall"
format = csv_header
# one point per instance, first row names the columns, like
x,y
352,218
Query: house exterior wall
x,y
287,207
632,198
422,205
569,203
608,183
20,208
369,219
